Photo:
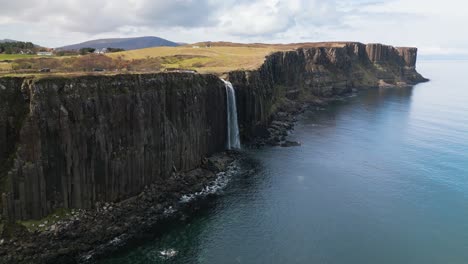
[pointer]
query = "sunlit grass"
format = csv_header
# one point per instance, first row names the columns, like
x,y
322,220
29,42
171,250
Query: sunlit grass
x,y
204,60
4,66
219,58
16,56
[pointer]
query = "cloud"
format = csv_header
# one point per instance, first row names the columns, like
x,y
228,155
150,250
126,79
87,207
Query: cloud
x,y
269,17
260,17
430,24
90,16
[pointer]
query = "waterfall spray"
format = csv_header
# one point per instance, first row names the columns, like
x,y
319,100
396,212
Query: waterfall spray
x,y
233,138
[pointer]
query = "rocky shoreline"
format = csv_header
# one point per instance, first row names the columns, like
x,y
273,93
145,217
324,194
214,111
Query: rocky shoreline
x,y
69,148
84,235
285,118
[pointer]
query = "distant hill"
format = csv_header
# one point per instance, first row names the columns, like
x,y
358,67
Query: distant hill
x,y
7,40
122,43
16,41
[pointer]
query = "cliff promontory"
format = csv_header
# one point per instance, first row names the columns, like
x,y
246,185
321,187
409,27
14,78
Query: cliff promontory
x,y
314,72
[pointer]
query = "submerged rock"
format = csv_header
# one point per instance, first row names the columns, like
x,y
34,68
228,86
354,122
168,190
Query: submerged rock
x,y
288,143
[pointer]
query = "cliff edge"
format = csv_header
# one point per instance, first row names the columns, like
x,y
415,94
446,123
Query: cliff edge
x,y
309,73
139,143
73,142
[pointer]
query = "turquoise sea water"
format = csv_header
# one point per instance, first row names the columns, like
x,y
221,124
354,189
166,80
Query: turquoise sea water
x,y
381,177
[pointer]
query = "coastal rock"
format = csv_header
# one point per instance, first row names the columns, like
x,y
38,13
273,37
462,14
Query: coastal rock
x,y
85,234
217,163
12,230
70,142
310,74
409,55
288,143
122,154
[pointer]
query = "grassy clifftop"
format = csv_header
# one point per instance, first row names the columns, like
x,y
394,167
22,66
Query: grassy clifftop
x,y
215,57
202,59
208,57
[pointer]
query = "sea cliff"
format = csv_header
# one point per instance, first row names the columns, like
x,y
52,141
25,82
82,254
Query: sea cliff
x,y
319,72
76,142
70,142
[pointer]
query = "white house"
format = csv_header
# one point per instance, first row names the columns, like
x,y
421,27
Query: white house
x,y
100,51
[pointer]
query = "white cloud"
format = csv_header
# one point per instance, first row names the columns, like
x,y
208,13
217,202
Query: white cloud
x,y
262,17
432,25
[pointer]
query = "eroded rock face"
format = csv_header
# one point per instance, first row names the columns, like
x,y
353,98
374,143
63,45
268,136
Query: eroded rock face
x,y
72,142
13,110
379,53
92,139
317,72
409,55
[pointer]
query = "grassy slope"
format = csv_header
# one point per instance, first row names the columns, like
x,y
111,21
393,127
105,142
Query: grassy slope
x,y
217,60
220,58
205,60
5,66
16,56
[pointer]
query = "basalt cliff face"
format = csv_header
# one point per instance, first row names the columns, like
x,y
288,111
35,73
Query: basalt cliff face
x,y
308,73
72,142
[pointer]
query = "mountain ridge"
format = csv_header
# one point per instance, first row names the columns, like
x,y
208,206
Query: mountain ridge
x,y
122,43
7,40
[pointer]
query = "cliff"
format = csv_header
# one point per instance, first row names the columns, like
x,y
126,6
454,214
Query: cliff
x,y
68,143
72,142
308,73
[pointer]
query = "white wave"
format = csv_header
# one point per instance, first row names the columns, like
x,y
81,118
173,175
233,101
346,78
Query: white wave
x,y
168,253
220,183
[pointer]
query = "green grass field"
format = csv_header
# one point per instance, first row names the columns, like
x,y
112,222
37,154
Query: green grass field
x,y
218,58
204,60
16,56
4,66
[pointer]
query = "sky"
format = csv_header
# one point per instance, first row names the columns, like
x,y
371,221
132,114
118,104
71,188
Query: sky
x,y
435,27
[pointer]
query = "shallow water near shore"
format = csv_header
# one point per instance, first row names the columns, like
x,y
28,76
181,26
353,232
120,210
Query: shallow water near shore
x,y
381,177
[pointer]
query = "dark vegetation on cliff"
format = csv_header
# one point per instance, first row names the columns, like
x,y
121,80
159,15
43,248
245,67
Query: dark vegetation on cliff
x,y
74,142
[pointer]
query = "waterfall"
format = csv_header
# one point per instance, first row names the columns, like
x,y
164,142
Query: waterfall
x,y
233,139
